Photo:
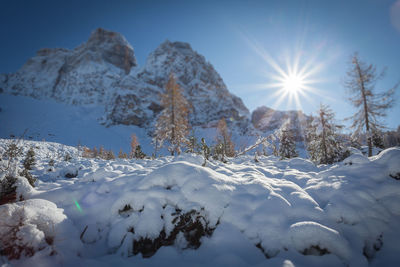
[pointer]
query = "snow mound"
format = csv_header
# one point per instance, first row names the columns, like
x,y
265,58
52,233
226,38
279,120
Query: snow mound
x,y
311,238
355,159
390,158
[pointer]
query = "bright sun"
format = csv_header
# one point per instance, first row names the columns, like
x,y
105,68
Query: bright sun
x,y
293,83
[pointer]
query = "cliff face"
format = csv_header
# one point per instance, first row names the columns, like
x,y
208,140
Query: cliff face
x,y
103,72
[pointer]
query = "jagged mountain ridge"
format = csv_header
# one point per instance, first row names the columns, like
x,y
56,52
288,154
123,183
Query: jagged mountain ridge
x,y
267,120
103,72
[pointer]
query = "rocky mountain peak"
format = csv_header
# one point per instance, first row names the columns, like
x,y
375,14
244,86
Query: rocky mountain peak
x,y
179,47
113,48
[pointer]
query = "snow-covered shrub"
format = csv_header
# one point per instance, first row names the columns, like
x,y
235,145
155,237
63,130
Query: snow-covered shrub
x,y
29,160
8,189
70,171
25,173
30,226
67,157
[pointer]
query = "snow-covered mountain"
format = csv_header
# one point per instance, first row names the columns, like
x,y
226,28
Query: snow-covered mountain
x,y
84,75
103,72
267,120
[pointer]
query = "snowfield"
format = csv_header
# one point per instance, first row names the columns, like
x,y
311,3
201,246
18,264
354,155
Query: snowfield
x,y
172,211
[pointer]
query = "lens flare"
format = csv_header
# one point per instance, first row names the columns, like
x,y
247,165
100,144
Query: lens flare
x,y
78,206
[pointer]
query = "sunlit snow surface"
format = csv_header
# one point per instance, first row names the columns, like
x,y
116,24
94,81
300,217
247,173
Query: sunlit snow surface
x,y
287,208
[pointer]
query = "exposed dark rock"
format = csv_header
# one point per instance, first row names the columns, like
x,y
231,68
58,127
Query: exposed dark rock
x,y
370,248
267,254
126,211
315,251
395,176
193,226
71,173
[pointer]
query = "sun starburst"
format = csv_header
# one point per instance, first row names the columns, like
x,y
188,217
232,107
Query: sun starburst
x,y
293,80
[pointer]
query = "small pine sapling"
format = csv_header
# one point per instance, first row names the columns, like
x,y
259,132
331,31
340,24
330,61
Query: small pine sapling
x,y
205,150
67,157
192,145
139,153
29,160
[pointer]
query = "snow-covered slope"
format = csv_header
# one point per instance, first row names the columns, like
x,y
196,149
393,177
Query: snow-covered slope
x,y
46,119
178,213
103,72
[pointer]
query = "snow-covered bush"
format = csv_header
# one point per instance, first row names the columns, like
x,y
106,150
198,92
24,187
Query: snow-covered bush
x,y
30,226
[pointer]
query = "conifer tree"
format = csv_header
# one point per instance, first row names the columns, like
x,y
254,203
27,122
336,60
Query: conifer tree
x,y
371,106
29,160
109,155
377,139
95,153
102,153
139,153
28,164
325,146
192,145
224,137
172,124
206,151
120,154
287,146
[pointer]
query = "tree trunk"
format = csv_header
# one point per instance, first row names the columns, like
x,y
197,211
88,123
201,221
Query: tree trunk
x,y
173,122
321,114
365,110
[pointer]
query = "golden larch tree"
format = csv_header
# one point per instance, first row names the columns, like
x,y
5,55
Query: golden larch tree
x,y
224,137
172,124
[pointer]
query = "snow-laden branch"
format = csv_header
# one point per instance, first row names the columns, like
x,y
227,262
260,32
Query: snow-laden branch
x,y
260,140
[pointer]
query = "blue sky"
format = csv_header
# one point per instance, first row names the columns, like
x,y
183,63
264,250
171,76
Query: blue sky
x,y
240,38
